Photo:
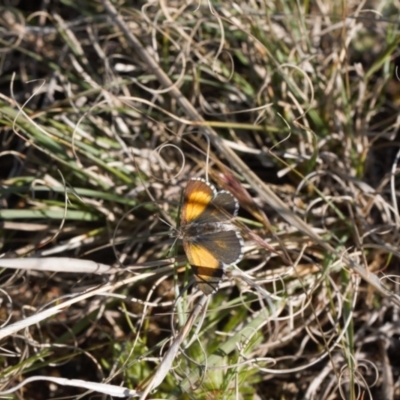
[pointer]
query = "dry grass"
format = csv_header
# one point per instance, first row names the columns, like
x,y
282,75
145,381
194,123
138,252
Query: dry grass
x,y
105,115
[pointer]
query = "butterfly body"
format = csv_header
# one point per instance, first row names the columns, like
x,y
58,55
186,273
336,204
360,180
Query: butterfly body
x,y
195,231
210,240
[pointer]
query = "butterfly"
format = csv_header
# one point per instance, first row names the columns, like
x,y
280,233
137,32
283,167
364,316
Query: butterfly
x,y
211,242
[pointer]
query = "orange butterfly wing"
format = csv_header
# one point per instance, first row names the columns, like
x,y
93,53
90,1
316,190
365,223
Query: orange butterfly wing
x,y
207,269
198,196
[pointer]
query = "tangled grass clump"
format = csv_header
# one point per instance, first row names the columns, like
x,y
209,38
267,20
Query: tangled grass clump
x,y
109,108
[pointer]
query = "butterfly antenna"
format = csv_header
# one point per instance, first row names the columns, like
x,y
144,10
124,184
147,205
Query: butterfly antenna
x,y
172,246
166,223
176,232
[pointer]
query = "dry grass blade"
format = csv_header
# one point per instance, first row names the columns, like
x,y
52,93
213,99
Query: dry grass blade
x,y
164,368
57,264
104,388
